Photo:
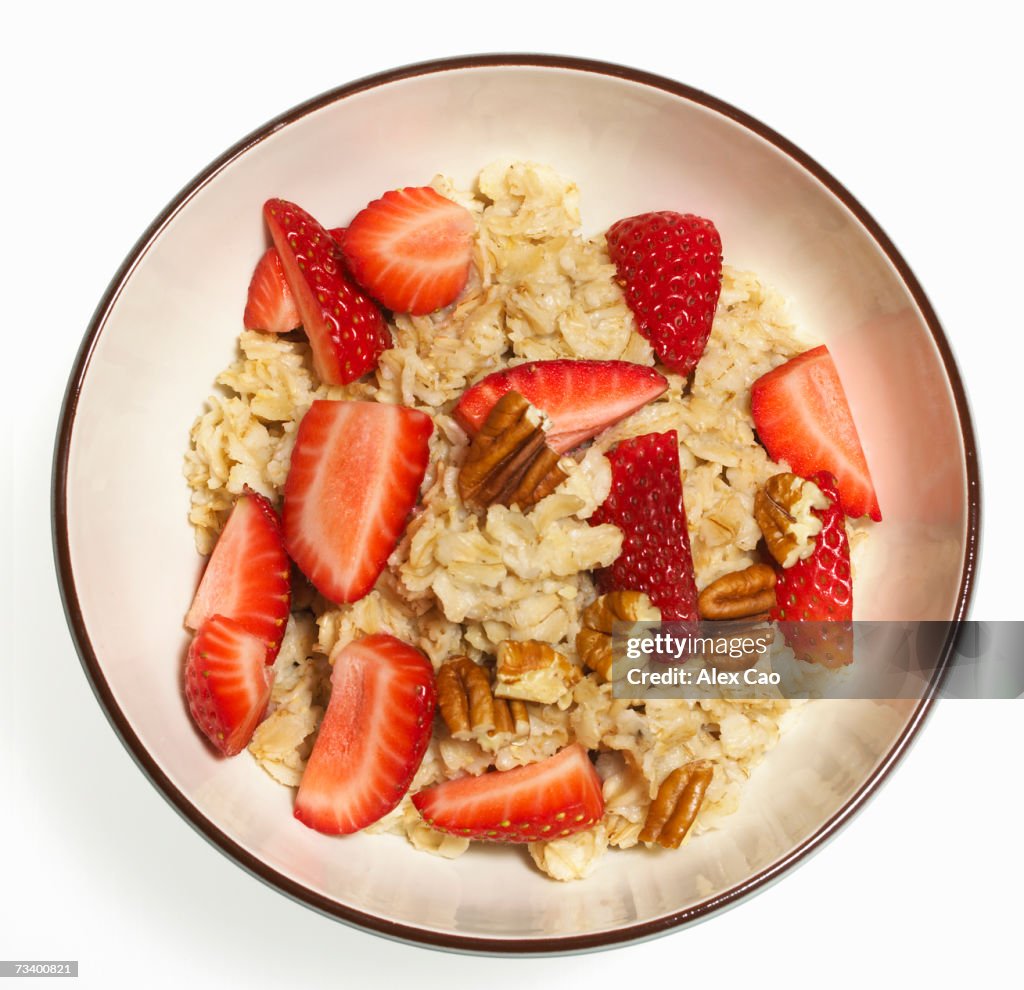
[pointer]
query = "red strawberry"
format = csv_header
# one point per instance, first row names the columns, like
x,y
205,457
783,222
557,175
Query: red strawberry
x,y
355,474
545,800
269,305
372,738
581,398
411,249
819,590
646,503
247,578
671,267
344,327
802,417
227,683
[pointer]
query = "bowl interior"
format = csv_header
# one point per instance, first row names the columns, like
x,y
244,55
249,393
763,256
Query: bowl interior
x,y
631,147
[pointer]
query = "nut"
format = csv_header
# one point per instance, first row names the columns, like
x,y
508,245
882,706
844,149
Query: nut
x,y
509,461
675,808
783,511
739,595
468,707
532,671
594,640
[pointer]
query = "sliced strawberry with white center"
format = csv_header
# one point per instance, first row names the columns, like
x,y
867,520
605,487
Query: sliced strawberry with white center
x,y
227,683
411,249
345,328
372,738
581,398
802,417
247,578
270,305
545,800
355,475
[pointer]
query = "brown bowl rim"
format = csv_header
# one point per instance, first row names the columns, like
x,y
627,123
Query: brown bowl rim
x,y
358,919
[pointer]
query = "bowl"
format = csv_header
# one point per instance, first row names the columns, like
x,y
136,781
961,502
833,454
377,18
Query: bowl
x,y
633,142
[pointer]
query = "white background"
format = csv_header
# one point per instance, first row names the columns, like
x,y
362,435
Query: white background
x,y
110,109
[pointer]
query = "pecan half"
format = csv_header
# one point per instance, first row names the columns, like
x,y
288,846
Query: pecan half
x,y
739,595
675,808
509,461
594,640
783,511
532,671
468,707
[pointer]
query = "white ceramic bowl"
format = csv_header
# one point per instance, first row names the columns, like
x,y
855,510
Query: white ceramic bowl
x,y
633,142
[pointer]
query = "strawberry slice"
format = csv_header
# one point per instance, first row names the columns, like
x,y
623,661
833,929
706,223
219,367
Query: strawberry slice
x,y
270,305
646,503
411,249
355,474
545,800
581,398
814,597
802,417
247,577
345,328
372,738
819,588
671,267
227,683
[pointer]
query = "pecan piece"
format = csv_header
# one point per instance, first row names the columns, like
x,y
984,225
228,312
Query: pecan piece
x,y
739,595
509,461
783,511
533,671
594,640
468,707
675,808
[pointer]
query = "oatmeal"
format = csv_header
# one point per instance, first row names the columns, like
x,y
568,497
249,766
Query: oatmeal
x,y
505,588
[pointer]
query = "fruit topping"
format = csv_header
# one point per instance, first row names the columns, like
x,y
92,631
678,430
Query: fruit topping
x,y
355,475
580,398
411,249
247,577
227,683
270,305
372,738
819,590
802,417
671,267
646,503
345,328
545,800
